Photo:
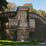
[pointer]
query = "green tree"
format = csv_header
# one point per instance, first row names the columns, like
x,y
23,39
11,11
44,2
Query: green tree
x,y
42,13
3,5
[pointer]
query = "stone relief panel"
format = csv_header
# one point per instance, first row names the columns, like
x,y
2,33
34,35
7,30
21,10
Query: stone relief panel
x,y
12,23
22,18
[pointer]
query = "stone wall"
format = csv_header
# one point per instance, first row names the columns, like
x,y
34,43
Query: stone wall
x,y
26,26
40,31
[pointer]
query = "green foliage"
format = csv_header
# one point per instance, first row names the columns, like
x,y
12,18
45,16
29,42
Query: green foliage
x,y
3,5
42,13
18,43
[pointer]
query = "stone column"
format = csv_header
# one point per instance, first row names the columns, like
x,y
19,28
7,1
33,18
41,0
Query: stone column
x,y
22,33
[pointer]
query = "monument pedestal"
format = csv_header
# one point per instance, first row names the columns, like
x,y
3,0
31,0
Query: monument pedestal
x,y
23,34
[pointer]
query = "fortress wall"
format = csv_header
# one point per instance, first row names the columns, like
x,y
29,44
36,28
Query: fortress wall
x,y
23,29
40,31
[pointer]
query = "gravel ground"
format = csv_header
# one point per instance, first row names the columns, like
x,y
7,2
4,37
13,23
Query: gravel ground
x,y
41,44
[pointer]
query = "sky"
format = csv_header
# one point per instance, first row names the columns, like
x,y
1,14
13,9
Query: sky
x,y
37,4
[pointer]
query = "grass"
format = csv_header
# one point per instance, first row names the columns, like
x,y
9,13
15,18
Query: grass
x,y
18,43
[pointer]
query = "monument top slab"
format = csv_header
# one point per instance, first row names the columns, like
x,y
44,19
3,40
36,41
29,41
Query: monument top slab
x,y
23,8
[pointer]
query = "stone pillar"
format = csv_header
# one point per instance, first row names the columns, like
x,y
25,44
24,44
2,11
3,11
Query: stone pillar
x,y
22,33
